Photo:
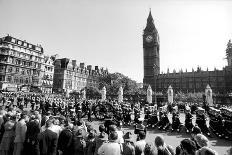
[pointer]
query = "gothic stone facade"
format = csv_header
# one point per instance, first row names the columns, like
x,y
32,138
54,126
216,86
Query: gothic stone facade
x,y
196,81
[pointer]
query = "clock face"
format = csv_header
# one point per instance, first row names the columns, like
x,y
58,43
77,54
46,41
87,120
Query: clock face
x,y
149,38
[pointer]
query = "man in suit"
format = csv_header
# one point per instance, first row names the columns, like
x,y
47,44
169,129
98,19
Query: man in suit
x,y
20,132
47,140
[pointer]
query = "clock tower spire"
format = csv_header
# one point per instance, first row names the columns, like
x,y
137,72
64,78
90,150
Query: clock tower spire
x,y
151,58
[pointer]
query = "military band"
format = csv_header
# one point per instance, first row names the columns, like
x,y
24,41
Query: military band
x,y
128,113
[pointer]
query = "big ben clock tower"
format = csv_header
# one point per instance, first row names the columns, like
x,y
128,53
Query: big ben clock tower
x,y
151,46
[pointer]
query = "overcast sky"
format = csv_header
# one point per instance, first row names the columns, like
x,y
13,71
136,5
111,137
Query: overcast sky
x,y
108,33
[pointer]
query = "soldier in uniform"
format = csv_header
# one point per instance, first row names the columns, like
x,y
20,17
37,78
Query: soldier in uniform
x,y
188,120
127,114
176,124
201,121
140,126
33,102
79,110
227,116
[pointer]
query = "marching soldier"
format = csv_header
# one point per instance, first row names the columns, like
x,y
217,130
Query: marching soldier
x,y
176,124
201,121
33,102
188,120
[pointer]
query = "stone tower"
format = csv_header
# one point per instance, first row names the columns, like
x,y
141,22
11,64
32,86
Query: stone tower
x,y
151,58
229,53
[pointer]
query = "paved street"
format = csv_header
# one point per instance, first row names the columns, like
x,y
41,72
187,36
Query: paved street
x,y
174,138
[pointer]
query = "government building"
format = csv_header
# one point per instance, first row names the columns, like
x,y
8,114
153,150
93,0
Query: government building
x,y
21,64
25,67
195,81
70,76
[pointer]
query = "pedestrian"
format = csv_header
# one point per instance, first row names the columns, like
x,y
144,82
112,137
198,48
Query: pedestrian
x,y
90,142
162,147
111,148
140,143
7,143
100,139
20,133
31,138
47,140
78,145
188,147
128,146
65,139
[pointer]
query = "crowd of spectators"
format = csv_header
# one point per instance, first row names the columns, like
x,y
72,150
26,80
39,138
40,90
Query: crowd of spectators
x,y
29,133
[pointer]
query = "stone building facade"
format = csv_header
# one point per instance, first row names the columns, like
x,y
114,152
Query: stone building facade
x,y
182,81
20,63
70,76
47,75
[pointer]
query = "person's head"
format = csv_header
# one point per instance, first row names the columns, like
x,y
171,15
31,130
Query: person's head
x,y
112,128
49,123
195,130
25,117
201,140
149,149
188,147
141,135
102,128
113,136
128,137
159,141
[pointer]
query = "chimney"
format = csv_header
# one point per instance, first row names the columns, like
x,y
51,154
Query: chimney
x,y
89,67
82,65
96,68
74,63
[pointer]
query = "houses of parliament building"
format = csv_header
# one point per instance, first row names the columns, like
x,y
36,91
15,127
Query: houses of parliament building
x,y
220,81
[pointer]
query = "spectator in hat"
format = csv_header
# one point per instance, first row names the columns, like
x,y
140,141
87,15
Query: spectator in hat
x,y
128,147
111,148
20,133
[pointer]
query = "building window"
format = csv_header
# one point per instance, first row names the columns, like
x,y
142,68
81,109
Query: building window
x,y
10,69
23,72
19,42
21,80
13,40
17,70
9,78
16,79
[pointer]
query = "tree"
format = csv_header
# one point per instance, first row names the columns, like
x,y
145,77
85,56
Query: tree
x,y
113,81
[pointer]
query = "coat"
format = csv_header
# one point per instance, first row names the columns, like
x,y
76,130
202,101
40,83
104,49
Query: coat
x,y
64,141
47,143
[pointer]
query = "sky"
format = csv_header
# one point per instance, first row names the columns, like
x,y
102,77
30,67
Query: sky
x,y
108,33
